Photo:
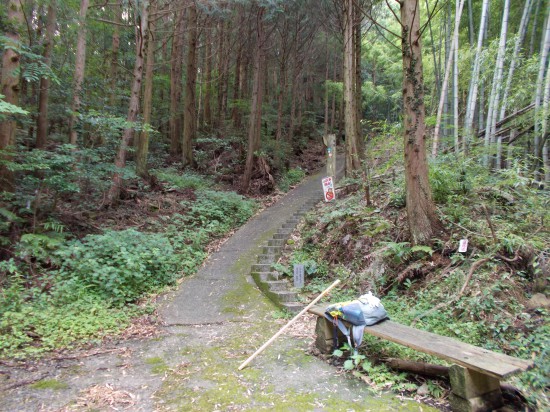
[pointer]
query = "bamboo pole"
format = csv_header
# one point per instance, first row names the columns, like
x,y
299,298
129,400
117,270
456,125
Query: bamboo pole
x,y
304,310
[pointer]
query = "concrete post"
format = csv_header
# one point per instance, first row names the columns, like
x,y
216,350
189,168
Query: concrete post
x,y
473,391
330,143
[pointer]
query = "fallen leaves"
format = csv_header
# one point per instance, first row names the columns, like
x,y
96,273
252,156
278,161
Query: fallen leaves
x,y
105,396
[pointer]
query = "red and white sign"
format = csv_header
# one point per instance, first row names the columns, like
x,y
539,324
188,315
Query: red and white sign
x,y
328,189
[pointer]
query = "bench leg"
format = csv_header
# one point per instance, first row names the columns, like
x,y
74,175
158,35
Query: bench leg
x,y
324,330
473,391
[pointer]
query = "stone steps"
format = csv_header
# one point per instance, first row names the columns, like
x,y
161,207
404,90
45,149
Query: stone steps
x,y
277,285
277,288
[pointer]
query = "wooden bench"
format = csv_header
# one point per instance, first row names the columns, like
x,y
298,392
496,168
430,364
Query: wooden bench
x,y
476,372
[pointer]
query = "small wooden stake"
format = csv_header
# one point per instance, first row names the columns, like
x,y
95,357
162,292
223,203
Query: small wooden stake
x,y
304,310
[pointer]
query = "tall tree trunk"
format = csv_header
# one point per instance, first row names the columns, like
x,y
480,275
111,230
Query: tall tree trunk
x,y
176,61
536,17
437,73
220,78
517,47
190,116
114,56
240,66
238,74
327,68
79,66
474,80
458,12
225,74
208,78
544,129
522,31
421,214
42,119
255,122
444,86
10,87
470,24
142,149
333,102
539,93
133,106
281,92
358,83
353,155
494,99
30,8
293,98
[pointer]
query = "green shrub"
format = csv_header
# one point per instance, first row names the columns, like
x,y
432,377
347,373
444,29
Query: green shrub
x,y
48,324
187,180
218,212
448,176
120,266
290,178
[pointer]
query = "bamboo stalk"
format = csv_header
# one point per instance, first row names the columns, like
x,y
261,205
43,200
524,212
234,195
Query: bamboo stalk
x,y
270,341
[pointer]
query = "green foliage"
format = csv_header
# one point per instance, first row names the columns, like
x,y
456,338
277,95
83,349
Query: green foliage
x,y
45,325
186,180
313,269
448,178
39,246
379,376
12,289
218,212
8,108
66,291
334,88
34,68
401,252
45,175
291,178
104,127
120,266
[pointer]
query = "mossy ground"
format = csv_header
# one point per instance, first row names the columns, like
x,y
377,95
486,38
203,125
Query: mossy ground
x,y
283,377
50,384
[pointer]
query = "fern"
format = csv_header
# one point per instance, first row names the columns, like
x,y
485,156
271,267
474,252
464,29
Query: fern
x,y
10,216
8,108
424,249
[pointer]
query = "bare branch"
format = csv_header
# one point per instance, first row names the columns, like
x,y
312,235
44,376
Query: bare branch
x,y
369,16
430,17
393,12
114,23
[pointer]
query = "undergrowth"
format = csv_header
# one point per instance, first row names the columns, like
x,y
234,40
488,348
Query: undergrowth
x,y
435,287
58,291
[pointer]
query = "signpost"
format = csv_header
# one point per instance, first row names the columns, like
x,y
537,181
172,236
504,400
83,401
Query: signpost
x,y
298,276
330,143
328,182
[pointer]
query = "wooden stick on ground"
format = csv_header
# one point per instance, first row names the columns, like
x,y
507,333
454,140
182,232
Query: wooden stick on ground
x,y
304,310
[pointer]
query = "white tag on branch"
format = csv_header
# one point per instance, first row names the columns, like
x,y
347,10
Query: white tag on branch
x,y
463,245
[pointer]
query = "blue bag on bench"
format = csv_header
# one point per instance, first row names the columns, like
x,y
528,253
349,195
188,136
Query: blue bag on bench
x,y
365,311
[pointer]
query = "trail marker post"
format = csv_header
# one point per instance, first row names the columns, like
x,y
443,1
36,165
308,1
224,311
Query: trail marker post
x,y
298,276
330,143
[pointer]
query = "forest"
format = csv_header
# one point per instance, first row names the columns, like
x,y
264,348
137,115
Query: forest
x,y
136,135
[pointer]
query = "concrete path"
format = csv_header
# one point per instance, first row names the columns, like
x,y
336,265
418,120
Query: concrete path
x,y
202,299
223,302
213,322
